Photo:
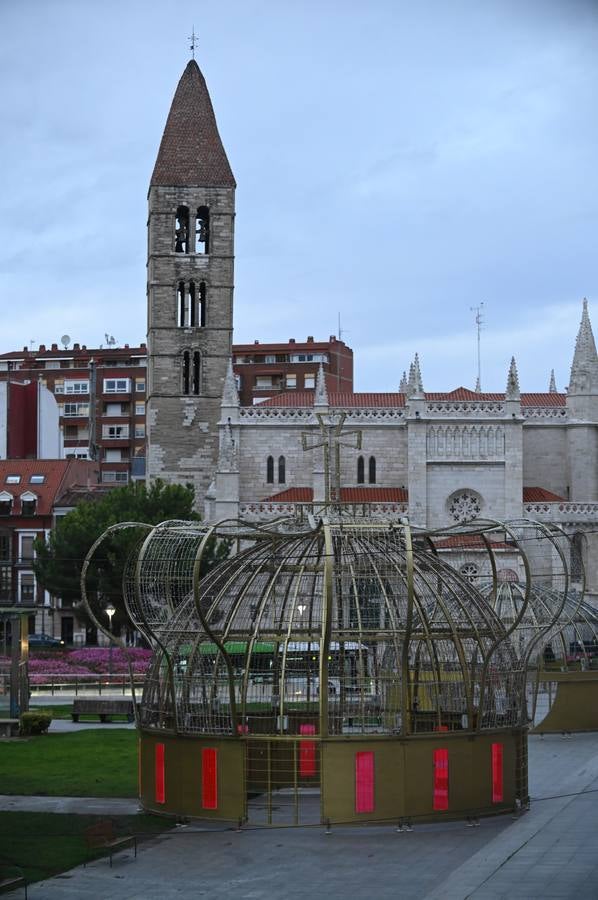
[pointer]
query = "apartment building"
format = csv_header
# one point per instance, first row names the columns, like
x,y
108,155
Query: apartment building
x,y
100,394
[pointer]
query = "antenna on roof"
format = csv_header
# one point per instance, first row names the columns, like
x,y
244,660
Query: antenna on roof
x,y
110,340
193,41
479,321
65,340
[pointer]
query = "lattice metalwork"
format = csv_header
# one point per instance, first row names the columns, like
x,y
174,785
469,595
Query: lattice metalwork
x,y
349,626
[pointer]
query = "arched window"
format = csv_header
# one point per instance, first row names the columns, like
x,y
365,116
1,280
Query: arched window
x,y
372,470
181,304
577,557
360,470
196,372
200,317
270,470
202,230
281,470
190,321
186,371
181,230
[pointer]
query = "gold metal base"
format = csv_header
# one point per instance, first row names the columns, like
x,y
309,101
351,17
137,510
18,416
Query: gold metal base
x,y
575,706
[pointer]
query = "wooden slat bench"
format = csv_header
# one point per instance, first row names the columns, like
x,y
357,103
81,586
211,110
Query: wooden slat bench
x,y
9,881
103,837
104,708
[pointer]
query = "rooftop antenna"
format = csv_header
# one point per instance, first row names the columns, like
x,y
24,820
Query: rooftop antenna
x,y
193,42
65,340
110,340
479,321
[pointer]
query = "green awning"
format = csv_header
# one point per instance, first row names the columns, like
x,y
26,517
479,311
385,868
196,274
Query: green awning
x,y
237,648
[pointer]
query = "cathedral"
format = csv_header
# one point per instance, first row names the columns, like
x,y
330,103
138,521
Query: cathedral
x,y
436,458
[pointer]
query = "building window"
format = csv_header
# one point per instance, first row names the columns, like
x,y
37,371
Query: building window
x,y
115,477
117,385
4,547
37,479
5,505
372,470
291,381
12,479
181,230
113,455
186,371
200,315
309,381
464,506
577,557
196,372
270,470
26,554
281,470
140,431
76,410
28,505
140,409
140,386
270,359
115,432
27,588
469,571
71,432
52,364
202,230
75,387
59,387
360,470
263,381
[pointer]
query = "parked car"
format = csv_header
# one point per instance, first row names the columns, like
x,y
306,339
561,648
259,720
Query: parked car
x,y
39,641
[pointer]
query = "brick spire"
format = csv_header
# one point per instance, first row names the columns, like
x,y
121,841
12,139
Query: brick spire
x,y
191,152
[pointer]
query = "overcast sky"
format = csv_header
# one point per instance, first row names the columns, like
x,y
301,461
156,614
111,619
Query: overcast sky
x,y
397,163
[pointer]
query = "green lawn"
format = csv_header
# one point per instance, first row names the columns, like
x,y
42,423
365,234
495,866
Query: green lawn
x,y
92,763
44,844
64,710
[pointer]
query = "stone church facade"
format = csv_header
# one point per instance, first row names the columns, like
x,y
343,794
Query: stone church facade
x,y
436,457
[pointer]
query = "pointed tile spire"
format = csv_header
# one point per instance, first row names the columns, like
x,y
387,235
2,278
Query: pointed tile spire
x,y
512,392
478,386
230,395
191,152
584,369
403,384
321,394
552,389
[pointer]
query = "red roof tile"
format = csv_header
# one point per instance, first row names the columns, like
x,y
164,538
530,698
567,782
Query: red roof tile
x,y
381,400
59,474
468,542
191,152
348,495
540,495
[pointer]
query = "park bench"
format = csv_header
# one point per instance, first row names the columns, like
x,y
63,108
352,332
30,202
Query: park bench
x,y
102,837
104,708
9,881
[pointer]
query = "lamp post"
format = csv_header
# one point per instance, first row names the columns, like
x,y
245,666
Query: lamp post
x,y
110,610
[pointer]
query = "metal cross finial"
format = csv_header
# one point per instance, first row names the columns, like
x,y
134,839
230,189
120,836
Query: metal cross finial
x,y
332,438
193,38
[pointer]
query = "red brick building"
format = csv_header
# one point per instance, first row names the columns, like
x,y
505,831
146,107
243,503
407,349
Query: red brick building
x,y
32,494
266,370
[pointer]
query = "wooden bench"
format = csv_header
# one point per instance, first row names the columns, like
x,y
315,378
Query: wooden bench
x,y
104,708
102,837
11,882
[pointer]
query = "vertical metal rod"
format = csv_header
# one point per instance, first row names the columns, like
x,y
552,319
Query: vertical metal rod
x,y
269,780
295,784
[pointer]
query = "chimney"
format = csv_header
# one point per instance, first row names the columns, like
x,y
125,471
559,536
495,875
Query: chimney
x,y
291,340
42,348
256,342
332,339
54,346
310,338
84,347
126,346
76,347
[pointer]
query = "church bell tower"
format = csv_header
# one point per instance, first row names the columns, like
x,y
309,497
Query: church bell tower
x,y
189,289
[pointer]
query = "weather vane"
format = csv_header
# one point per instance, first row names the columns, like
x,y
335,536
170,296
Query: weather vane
x,y
193,38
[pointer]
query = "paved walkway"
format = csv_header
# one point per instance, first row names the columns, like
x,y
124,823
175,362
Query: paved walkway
x,y
551,852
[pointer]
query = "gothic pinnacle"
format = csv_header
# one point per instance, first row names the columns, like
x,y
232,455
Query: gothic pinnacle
x,y
321,394
552,387
230,395
418,387
512,392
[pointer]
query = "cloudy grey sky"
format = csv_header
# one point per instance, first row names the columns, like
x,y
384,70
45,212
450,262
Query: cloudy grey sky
x,y
397,162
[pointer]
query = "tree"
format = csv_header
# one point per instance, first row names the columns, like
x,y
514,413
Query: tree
x,y
59,561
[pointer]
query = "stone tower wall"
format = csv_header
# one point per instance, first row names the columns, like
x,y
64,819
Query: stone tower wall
x,y
182,428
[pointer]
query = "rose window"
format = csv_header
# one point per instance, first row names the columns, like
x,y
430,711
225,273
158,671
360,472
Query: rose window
x,y
470,571
464,506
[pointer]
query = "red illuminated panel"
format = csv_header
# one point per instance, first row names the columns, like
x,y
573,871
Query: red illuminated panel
x,y
364,782
441,728
497,773
441,779
243,729
209,778
307,752
160,781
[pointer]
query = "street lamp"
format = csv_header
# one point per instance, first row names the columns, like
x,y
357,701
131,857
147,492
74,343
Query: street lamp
x,y
110,610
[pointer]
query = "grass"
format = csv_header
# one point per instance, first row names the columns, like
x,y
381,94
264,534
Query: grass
x,y
92,763
45,844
